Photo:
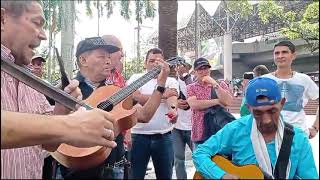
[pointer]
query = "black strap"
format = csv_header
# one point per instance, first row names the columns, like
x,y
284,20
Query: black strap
x,y
285,150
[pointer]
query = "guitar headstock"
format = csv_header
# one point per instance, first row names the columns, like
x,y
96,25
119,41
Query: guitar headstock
x,y
174,61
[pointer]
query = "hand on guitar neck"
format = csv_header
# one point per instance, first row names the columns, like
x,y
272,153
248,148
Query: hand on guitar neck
x,y
71,87
74,91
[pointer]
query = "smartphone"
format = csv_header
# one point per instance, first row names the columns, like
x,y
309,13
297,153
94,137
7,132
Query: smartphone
x,y
248,75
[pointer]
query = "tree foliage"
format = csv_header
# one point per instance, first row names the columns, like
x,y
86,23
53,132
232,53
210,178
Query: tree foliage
x,y
306,28
243,7
132,67
143,8
53,14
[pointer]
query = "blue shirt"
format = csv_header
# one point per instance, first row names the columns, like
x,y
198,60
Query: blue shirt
x,y
234,139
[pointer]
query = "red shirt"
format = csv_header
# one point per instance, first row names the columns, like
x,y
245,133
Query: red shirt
x,y
201,92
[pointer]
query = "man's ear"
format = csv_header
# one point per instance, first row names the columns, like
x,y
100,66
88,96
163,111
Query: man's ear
x,y
83,61
294,56
145,64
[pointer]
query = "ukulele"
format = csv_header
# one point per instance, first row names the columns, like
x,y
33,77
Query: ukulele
x,y
109,98
250,171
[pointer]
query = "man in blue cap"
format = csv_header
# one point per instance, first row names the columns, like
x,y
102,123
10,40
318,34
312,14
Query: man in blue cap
x,y
258,139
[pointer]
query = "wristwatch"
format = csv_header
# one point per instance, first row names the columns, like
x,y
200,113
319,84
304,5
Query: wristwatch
x,y
161,89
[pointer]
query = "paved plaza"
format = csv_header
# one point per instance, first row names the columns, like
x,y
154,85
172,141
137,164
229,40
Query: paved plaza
x,y
191,169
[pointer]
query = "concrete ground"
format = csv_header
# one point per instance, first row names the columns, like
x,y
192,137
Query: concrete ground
x,y
191,169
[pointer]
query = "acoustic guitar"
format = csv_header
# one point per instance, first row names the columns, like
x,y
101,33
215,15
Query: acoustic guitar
x,y
109,98
250,171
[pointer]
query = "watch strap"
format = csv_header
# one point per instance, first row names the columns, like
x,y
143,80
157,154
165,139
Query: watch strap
x,y
161,89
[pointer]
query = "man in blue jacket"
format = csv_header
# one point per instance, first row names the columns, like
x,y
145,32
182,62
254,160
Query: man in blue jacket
x,y
257,138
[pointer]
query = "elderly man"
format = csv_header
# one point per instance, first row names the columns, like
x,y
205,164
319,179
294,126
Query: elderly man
x,y
21,32
94,60
259,138
115,77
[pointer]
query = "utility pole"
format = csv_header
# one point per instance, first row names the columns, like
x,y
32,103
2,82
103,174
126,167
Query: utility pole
x,y
98,8
197,31
138,42
227,51
138,38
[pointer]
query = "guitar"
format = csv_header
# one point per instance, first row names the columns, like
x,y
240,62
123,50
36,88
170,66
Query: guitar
x,y
109,98
250,171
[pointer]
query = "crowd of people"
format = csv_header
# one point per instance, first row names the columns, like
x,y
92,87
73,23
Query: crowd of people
x,y
170,112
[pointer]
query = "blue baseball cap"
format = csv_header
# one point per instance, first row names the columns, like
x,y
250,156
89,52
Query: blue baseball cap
x,y
262,86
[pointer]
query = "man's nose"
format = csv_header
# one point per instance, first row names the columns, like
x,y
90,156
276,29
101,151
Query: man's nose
x,y
266,117
108,60
42,35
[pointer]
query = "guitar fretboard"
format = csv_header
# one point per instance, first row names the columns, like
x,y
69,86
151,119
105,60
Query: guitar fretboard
x,y
125,92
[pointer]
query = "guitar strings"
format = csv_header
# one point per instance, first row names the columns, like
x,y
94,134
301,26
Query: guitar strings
x,y
125,92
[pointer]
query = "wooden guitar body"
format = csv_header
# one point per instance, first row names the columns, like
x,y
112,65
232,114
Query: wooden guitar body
x,y
119,99
84,158
250,171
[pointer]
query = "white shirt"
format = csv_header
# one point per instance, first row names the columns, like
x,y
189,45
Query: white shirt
x,y
159,123
297,91
184,116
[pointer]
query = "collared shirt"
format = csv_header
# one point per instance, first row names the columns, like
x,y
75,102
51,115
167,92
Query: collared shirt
x,y
21,163
234,139
116,79
201,92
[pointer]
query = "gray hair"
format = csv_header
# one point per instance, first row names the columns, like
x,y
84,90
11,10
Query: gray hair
x,y
17,7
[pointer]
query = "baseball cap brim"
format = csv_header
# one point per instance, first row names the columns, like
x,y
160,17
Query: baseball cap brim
x,y
202,66
262,86
108,48
38,56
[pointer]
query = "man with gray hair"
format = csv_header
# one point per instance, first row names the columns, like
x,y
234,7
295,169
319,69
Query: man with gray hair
x,y
21,32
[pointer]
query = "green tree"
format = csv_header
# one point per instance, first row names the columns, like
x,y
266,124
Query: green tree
x,y
306,28
132,67
67,35
53,26
303,24
143,9
55,9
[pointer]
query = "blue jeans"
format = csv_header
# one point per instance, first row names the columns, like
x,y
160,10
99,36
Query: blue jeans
x,y
180,139
96,173
159,147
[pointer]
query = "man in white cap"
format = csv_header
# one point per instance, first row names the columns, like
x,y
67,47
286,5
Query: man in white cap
x,y
37,65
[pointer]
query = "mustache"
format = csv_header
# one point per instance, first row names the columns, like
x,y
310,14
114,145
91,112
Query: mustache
x,y
267,128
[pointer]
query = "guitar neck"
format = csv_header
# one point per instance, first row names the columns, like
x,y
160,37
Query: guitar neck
x,y
64,77
36,83
127,91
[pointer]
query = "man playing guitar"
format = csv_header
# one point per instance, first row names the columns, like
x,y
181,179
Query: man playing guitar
x,y
93,58
259,138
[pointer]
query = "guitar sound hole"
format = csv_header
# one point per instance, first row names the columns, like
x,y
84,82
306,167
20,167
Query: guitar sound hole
x,y
107,106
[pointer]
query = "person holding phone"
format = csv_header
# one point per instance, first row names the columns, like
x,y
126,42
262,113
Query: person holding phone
x,y
259,70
